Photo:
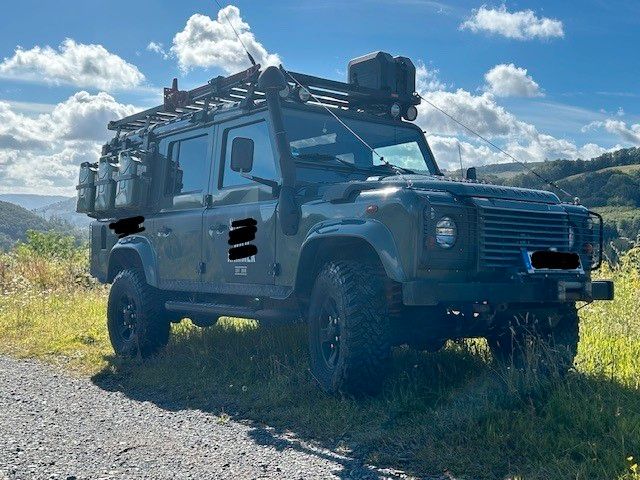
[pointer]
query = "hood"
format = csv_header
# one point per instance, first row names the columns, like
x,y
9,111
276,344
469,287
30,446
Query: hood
x,y
431,183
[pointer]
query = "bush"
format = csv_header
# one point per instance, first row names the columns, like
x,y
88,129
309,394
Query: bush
x,y
46,261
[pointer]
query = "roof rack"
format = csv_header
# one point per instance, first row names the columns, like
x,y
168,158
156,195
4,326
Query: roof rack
x,y
241,87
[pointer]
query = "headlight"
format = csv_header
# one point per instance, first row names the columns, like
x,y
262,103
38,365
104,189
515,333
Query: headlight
x,y
446,232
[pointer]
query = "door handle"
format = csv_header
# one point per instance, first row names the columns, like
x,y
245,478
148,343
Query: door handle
x,y
164,232
219,229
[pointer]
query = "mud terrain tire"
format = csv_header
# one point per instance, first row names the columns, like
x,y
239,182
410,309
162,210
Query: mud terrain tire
x,y
349,328
136,319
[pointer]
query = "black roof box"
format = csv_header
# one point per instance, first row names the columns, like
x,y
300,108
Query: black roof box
x,y
382,71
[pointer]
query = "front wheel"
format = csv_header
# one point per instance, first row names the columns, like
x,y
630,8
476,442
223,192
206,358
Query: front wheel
x,y
135,316
349,328
546,340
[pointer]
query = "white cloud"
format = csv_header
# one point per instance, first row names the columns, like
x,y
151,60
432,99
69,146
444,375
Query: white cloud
x,y
479,112
485,116
427,79
628,133
73,64
205,42
42,153
507,80
158,48
85,117
520,25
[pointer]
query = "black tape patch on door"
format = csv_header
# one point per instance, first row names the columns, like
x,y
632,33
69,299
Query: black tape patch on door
x,y
127,226
241,233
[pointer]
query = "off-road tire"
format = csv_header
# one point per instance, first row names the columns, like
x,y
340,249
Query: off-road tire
x,y
357,294
149,331
549,338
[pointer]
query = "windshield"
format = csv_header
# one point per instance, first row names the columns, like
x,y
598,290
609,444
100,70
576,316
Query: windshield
x,y
319,140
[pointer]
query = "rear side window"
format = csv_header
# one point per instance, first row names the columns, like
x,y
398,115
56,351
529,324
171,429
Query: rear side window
x,y
263,159
189,166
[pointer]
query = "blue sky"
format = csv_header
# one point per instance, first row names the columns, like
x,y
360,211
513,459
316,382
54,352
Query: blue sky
x,y
544,79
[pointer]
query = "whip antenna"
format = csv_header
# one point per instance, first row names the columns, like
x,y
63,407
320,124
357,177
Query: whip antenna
x,y
253,62
521,163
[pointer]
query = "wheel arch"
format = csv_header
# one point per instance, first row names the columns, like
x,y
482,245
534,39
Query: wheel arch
x,y
136,253
354,241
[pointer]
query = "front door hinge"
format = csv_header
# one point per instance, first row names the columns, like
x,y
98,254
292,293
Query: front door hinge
x,y
202,267
275,269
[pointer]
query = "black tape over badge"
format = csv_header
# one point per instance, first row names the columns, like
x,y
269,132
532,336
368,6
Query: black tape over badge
x,y
127,226
241,233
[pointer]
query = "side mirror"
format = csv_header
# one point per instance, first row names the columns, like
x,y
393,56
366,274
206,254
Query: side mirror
x,y
242,154
472,174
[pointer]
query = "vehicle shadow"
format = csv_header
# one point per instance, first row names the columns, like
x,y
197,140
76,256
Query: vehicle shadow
x,y
447,415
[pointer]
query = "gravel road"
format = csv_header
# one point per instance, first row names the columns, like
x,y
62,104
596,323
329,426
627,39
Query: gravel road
x,y
55,426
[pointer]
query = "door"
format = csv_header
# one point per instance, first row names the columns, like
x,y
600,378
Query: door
x,y
178,227
239,226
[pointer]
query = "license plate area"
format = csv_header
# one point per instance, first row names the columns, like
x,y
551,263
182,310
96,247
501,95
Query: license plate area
x,y
546,260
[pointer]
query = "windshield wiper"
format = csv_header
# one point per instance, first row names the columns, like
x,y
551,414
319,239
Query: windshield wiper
x,y
395,168
324,157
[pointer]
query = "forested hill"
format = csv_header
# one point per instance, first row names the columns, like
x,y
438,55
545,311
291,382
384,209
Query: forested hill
x,y
612,179
14,223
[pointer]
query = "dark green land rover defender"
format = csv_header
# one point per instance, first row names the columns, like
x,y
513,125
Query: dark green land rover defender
x,y
278,196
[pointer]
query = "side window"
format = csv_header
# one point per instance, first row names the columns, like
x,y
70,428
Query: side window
x,y
263,160
188,166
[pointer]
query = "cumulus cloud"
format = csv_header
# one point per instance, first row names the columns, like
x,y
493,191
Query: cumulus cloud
x,y
73,64
42,153
479,112
507,80
205,42
519,25
85,117
485,116
628,133
427,79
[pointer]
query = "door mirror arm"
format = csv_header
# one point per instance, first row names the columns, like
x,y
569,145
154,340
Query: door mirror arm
x,y
275,186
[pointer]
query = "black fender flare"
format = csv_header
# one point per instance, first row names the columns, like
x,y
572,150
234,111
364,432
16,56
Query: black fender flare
x,y
142,248
372,232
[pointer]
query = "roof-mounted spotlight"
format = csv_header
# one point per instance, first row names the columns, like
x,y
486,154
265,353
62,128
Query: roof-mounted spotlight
x,y
284,93
412,113
304,95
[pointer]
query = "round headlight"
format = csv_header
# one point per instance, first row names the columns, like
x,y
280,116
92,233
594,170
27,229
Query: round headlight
x,y
411,114
446,232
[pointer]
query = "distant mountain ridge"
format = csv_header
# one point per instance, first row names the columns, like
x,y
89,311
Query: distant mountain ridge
x,y
64,210
31,201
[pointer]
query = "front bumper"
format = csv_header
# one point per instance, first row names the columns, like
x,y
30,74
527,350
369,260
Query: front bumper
x,y
426,292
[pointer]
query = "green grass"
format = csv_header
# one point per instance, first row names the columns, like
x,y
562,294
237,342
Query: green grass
x,y
452,411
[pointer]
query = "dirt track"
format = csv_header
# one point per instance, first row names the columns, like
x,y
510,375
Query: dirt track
x,y
55,426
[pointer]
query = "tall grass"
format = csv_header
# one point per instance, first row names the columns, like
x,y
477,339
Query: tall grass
x,y
454,411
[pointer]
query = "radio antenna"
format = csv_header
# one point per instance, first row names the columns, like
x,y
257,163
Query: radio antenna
x,y
520,162
251,59
460,156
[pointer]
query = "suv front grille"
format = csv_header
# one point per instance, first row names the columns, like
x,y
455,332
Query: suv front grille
x,y
505,233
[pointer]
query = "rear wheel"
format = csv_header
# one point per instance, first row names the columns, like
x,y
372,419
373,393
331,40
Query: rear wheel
x,y
136,319
546,340
349,328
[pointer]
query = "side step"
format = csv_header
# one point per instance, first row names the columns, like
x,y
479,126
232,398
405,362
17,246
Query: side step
x,y
222,310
